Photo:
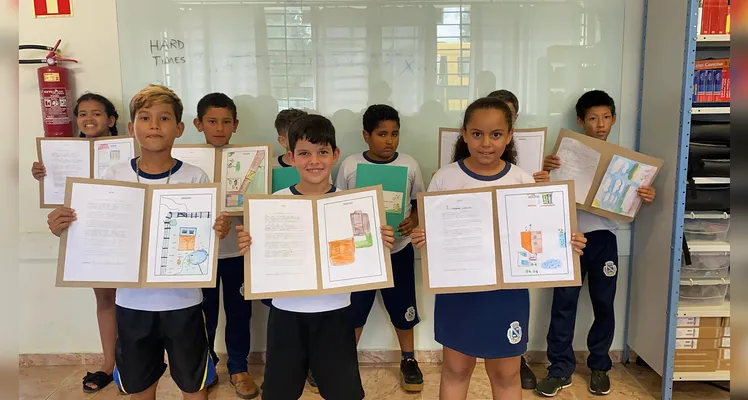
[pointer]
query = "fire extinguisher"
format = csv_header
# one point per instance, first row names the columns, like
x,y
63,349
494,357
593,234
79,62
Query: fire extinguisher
x,y
54,91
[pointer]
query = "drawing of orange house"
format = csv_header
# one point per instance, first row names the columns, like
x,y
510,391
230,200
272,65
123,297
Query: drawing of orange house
x,y
532,241
342,252
187,239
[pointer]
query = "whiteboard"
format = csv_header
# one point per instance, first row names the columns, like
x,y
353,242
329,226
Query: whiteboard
x,y
428,59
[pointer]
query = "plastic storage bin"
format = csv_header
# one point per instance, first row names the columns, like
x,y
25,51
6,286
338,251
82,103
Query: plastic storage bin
x,y
711,229
703,295
707,265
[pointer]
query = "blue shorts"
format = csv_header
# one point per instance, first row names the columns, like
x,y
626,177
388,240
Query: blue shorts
x,y
486,325
400,300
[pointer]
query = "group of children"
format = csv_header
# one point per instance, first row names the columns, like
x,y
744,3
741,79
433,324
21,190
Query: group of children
x,y
314,339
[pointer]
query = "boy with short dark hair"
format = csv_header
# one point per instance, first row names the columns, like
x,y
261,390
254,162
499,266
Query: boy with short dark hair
x,y
151,321
596,115
217,120
283,122
381,131
312,332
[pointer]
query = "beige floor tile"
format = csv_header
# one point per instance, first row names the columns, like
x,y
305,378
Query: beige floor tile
x,y
622,385
41,382
383,382
652,382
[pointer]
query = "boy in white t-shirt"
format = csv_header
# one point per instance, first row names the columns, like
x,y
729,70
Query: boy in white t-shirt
x,y
312,332
151,321
283,121
596,114
381,131
217,120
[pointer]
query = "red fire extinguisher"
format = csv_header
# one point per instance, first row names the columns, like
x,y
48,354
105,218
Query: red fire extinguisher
x,y
54,91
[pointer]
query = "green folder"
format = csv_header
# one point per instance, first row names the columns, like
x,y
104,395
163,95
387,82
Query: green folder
x,y
394,179
284,177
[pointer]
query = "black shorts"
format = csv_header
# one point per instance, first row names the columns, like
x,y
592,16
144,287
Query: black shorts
x,y
142,338
400,300
324,342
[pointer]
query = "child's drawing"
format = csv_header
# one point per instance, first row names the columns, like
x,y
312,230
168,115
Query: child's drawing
x,y
343,251
533,227
110,152
185,237
617,192
244,173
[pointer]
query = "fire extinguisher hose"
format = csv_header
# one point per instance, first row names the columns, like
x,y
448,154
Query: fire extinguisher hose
x,y
36,47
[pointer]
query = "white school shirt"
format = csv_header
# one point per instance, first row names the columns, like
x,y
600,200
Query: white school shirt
x,y
228,247
157,299
457,176
346,180
588,222
311,304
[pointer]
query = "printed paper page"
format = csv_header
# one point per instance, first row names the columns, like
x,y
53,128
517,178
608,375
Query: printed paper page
x,y
104,244
460,240
578,163
350,240
201,157
535,231
448,140
64,158
617,191
244,172
282,256
111,151
530,147
182,239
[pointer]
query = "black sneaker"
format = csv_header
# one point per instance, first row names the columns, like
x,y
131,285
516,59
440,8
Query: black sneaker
x,y
411,377
550,386
599,383
527,377
312,382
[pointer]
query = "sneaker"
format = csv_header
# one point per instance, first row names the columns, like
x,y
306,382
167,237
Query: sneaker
x,y
312,382
527,377
244,385
411,377
599,383
550,386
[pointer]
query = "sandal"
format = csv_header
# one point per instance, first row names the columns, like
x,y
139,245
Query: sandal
x,y
101,379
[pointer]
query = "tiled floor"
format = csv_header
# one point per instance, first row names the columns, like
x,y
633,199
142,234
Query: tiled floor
x,y
380,381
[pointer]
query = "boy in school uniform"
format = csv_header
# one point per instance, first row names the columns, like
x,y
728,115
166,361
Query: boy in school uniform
x,y
596,115
526,376
381,131
217,120
283,121
312,332
151,321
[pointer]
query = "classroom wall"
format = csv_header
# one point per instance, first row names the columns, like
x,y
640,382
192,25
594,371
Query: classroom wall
x,y
62,320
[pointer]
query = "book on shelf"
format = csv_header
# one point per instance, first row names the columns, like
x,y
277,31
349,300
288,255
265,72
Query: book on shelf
x,y
713,17
711,81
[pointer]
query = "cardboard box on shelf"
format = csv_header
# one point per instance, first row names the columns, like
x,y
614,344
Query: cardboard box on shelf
x,y
725,342
699,321
726,331
698,333
724,354
723,365
697,344
693,355
695,366
726,321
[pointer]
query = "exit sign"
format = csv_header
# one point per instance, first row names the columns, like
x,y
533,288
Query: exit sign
x,y
52,8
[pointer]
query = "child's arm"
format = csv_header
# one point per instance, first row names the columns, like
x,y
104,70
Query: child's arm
x,y
243,239
222,225
647,193
578,242
551,162
418,237
542,176
406,226
38,170
60,219
417,186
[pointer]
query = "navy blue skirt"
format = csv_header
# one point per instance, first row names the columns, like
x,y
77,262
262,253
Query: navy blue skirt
x,y
486,325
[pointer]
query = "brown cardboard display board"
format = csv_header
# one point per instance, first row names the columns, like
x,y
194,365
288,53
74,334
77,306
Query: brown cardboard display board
x,y
92,150
442,132
146,229
493,213
248,295
543,129
218,167
607,150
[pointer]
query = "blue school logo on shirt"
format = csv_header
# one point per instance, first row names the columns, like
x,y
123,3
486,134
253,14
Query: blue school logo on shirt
x,y
514,334
610,269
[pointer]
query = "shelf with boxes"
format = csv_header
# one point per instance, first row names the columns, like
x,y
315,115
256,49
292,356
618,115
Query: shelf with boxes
x,y
702,348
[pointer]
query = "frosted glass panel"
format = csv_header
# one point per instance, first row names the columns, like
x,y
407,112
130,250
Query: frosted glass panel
x,y
428,59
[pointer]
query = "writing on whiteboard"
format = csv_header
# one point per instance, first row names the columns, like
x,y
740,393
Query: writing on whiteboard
x,y
162,51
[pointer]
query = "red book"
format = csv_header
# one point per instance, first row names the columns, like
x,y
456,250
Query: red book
x,y
722,17
706,17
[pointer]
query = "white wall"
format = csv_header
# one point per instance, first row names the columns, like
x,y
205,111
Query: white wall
x,y
62,320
